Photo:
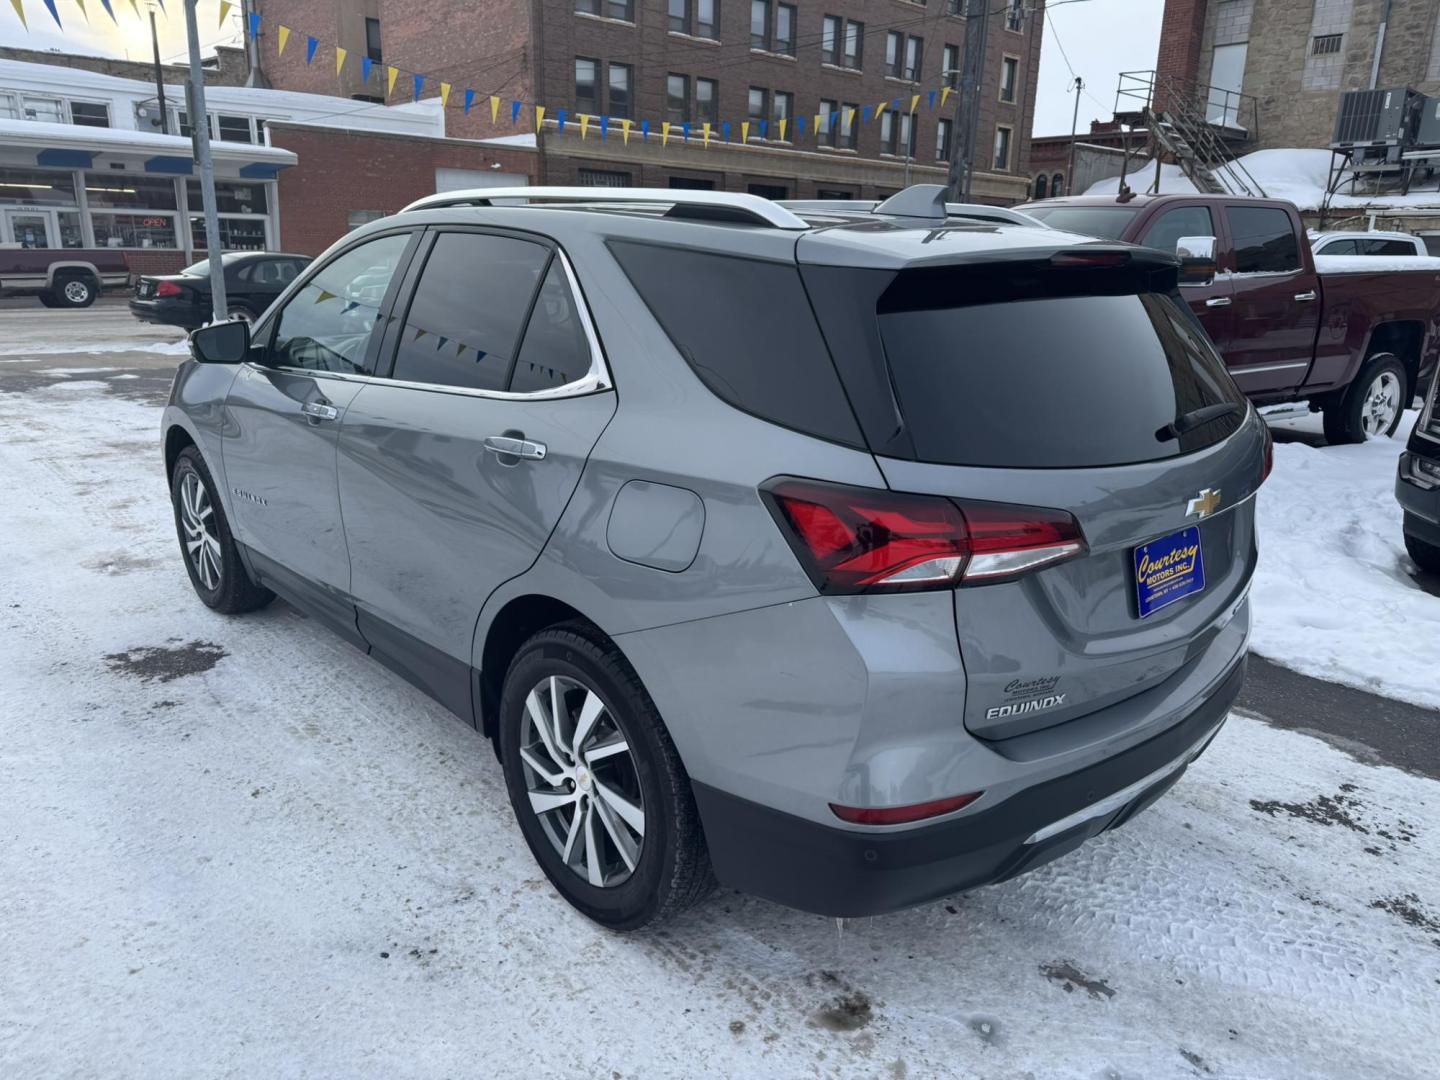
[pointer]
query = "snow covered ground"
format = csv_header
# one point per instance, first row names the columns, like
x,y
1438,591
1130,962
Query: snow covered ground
x,y
1336,596
239,847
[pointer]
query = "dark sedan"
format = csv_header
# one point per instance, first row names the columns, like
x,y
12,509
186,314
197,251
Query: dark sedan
x,y
252,280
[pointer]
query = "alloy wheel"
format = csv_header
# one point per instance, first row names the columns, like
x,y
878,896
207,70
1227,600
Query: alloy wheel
x,y
582,781
1381,405
197,518
77,292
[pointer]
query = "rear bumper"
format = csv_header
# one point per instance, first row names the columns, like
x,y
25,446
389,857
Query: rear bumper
x,y
844,872
168,313
1421,502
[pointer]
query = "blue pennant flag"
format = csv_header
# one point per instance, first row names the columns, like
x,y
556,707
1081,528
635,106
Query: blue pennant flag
x,y
644,130
440,343
932,98
799,125
559,121
514,111
311,44
365,65
725,130
685,128
764,124
865,114
604,127
50,4
834,118
469,100
419,85
254,25
109,11
895,104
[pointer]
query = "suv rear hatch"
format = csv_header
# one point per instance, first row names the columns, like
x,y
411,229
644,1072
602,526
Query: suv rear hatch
x,y
1073,379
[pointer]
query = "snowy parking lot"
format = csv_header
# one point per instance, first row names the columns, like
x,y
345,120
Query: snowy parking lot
x,y
240,847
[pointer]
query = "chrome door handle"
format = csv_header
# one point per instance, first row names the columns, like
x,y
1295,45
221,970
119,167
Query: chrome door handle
x,y
506,446
317,410
1311,295
1218,301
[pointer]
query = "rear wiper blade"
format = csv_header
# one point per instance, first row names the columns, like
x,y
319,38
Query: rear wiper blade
x,y
1188,422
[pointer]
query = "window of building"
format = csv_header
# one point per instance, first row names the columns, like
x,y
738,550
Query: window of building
x,y
894,53
233,128
831,27
236,234
90,113
914,50
327,325
952,7
587,96
691,183
602,178
1057,185
1002,148
759,109
854,44
837,126
840,41
1326,44
620,79
950,65
772,27
146,230
1009,77
37,187
124,191
769,191
782,108
609,9
1041,186
1264,240
833,193
695,17
372,41
469,307
1015,16
50,110
677,98
707,101
942,139
897,133
231,197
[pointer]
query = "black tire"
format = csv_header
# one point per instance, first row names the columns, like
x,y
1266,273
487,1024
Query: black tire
x,y
1345,416
1425,554
47,299
672,871
241,311
232,592
75,291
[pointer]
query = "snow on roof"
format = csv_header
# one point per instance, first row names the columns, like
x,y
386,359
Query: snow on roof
x,y
511,140
116,140
1371,264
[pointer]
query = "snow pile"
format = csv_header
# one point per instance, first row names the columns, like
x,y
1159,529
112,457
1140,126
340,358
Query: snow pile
x,y
1334,597
1373,264
164,348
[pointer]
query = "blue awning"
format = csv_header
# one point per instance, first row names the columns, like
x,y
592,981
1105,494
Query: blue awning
x,y
261,171
172,166
65,159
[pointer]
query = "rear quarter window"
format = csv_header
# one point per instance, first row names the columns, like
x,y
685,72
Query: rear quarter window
x,y
746,329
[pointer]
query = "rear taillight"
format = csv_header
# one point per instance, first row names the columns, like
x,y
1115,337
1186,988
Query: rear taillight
x,y
852,540
168,288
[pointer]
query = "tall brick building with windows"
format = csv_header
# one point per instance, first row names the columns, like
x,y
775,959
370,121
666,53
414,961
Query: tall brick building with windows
x,y
719,61
1295,57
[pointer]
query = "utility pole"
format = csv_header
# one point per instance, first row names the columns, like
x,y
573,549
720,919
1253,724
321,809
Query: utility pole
x,y
200,135
159,75
967,103
1074,123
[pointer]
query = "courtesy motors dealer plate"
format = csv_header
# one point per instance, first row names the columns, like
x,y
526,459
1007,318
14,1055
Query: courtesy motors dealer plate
x,y
1168,569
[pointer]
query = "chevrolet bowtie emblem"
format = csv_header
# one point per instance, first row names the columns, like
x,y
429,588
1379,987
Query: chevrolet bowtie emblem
x,y
1204,504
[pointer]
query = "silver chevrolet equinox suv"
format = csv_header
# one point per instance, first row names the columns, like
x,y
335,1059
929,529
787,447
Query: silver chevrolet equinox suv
x,y
850,557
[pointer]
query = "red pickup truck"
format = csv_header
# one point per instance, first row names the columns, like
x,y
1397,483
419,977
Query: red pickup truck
x,y
1356,345
61,277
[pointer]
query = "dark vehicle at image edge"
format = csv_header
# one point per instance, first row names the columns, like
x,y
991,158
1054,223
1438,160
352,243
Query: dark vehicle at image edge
x,y
252,280
1417,486
912,556
1357,344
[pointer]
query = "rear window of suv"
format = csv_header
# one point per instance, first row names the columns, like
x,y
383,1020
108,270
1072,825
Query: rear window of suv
x,y
1053,381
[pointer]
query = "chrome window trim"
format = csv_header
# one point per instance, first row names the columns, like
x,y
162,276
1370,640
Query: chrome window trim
x,y
594,381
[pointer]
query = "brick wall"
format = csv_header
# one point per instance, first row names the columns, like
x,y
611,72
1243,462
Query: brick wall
x,y
334,22
341,171
1181,38
156,262
228,68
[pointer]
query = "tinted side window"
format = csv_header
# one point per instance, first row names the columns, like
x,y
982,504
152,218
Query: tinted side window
x,y
554,350
746,329
464,321
1389,247
1170,226
326,326
1341,247
1264,240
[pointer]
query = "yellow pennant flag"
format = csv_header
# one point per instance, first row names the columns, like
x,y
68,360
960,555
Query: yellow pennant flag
x,y
340,55
625,131
745,131
849,117
444,94
705,134
134,6
81,4
494,107
282,39
914,103
539,116
944,93
880,109
392,73
783,122
665,133
584,125
225,7
20,11
819,121
324,295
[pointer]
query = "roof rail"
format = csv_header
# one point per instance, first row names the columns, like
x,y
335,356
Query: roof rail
x,y
705,205
968,211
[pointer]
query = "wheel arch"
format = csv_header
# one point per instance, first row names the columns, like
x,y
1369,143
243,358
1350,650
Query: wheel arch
x,y
176,440
61,271
1404,338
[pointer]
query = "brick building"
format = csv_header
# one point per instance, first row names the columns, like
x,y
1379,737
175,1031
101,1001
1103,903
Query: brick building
x,y
1099,154
721,61
1295,57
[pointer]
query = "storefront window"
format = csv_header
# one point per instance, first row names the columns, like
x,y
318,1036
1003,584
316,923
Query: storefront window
x,y
236,234
36,187
126,191
71,235
231,197
134,230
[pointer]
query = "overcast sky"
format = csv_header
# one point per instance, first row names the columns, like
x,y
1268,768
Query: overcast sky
x,y
1100,38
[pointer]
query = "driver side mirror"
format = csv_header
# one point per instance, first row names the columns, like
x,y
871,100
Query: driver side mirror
x,y
221,343
1197,259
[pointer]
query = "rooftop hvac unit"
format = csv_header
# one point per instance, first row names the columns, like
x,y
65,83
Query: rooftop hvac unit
x,y
1429,133
1377,118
